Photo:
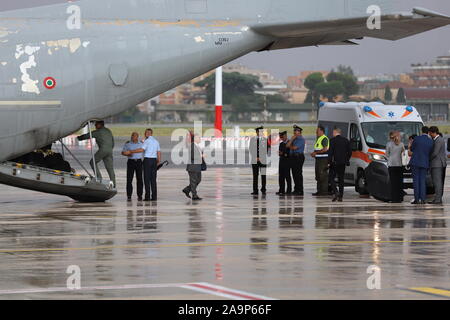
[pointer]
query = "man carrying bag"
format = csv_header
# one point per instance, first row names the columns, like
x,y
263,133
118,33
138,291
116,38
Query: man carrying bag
x,y
195,167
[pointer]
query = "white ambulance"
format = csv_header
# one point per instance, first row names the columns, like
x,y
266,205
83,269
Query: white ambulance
x,y
367,125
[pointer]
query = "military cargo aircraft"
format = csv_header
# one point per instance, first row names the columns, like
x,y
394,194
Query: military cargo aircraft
x,y
63,63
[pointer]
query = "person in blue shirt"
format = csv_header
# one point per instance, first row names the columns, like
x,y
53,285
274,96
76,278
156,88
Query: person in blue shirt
x,y
152,158
134,166
420,152
297,159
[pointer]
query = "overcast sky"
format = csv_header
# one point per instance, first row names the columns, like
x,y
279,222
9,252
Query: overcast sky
x,y
370,57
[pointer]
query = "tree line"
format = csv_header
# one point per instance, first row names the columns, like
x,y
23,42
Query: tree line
x,y
240,91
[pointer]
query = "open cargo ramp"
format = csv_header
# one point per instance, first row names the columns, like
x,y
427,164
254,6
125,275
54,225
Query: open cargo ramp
x,y
78,187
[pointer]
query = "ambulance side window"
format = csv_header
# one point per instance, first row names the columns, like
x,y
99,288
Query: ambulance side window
x,y
355,138
330,126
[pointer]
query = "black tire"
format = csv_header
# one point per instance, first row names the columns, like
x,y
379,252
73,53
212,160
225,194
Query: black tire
x,y
360,184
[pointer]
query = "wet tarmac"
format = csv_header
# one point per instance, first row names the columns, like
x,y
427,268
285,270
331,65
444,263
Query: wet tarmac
x,y
231,245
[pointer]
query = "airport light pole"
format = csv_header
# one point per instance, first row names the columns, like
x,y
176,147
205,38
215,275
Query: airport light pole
x,y
219,102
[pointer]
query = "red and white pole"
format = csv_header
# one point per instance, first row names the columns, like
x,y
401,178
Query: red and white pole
x,y
219,97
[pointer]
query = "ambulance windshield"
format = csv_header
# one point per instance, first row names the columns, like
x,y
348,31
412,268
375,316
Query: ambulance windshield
x,y
376,134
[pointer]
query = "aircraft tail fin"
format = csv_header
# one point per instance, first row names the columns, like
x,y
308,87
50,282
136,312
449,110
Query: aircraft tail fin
x,y
341,31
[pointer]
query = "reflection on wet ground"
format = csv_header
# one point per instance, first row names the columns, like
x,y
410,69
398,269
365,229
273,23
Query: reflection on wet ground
x,y
283,248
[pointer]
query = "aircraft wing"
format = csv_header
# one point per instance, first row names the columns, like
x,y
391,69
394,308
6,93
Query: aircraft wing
x,y
340,31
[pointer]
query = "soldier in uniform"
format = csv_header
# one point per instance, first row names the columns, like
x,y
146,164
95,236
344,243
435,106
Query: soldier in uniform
x,y
284,166
259,148
134,165
297,146
321,155
105,141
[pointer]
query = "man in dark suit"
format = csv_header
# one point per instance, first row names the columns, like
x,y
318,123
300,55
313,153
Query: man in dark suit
x,y
438,163
420,163
339,155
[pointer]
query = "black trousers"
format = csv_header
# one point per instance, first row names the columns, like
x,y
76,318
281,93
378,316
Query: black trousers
x,y
134,167
256,170
284,177
297,162
396,177
150,169
337,170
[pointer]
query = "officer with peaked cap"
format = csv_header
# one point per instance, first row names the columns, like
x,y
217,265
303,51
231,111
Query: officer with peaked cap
x,y
297,146
259,148
284,166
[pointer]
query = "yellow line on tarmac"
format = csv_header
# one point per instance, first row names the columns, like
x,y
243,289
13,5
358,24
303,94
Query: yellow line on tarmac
x,y
235,244
433,291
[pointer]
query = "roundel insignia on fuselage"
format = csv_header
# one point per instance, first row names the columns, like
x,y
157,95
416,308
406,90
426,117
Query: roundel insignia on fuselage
x,y
49,83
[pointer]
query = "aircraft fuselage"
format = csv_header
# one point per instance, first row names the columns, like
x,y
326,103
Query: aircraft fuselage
x,y
65,64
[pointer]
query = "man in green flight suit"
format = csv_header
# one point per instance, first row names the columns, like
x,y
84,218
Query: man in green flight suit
x,y
105,141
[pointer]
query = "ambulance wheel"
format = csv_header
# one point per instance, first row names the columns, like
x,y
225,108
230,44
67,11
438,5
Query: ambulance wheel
x,y
361,184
